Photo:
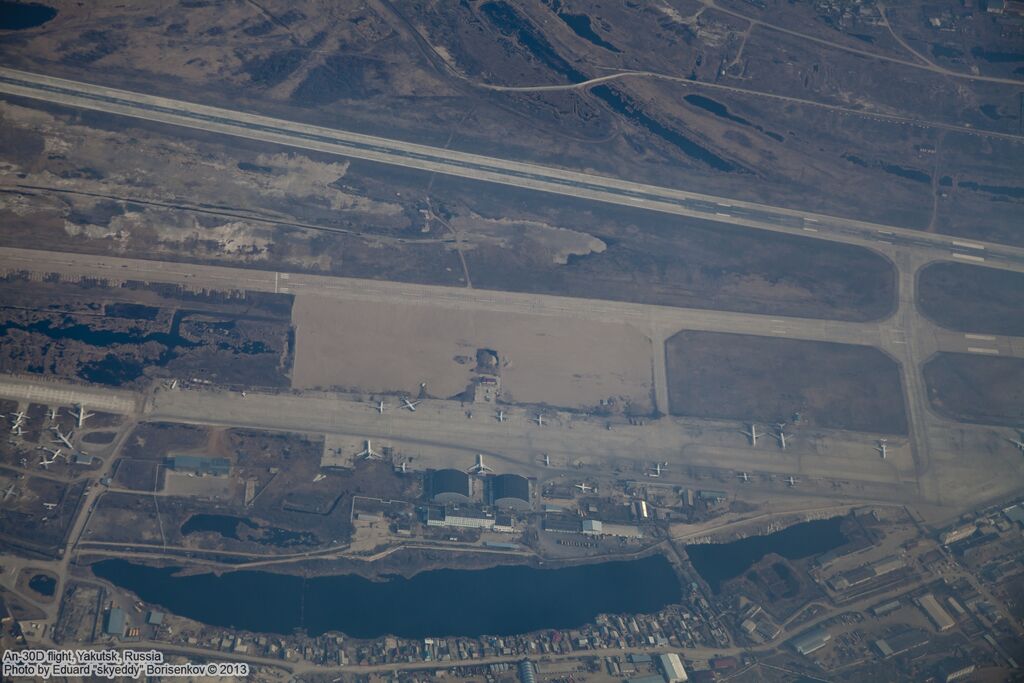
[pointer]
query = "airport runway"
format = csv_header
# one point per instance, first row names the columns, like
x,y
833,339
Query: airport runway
x,y
491,169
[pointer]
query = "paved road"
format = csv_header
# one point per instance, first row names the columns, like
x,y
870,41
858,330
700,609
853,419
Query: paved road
x,y
489,169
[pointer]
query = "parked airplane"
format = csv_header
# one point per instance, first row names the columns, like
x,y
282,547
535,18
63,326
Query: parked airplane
x,y
368,452
480,467
45,464
584,487
81,415
539,419
319,477
381,405
752,434
54,412
1019,443
744,476
781,435
404,467
49,506
501,416
9,492
547,460
63,438
656,470
883,448
54,452
791,481
411,405
20,418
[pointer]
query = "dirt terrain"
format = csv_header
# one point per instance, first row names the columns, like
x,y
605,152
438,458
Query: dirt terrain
x,y
192,196
972,298
128,333
767,379
973,388
393,348
424,71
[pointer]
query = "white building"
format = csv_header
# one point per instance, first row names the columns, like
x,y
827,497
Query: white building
x,y
672,667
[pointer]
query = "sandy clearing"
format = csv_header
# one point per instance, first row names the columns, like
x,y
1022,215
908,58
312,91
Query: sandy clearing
x,y
391,347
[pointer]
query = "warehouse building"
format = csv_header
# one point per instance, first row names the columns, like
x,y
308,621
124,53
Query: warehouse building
x,y
812,641
115,623
933,609
449,486
199,464
672,667
510,492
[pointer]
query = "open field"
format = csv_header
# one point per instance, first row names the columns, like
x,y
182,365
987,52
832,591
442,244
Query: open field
x,y
379,348
975,388
765,379
972,298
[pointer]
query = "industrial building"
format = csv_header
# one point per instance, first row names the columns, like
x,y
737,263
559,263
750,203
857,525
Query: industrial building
x,y
812,641
933,609
198,464
561,522
468,518
958,534
672,667
527,672
510,492
115,623
449,486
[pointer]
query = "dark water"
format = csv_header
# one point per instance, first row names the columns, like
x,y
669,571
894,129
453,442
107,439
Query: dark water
x,y
497,601
946,51
227,527
720,562
15,16
636,115
43,584
580,25
721,111
1004,190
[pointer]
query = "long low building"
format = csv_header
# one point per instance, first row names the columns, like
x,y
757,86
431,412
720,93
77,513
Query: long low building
x,y
812,641
935,612
468,518
199,464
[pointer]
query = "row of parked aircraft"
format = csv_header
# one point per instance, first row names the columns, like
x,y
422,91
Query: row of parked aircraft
x,y
409,405
20,418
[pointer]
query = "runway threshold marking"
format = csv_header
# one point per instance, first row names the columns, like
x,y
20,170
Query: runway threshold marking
x,y
981,349
980,337
968,245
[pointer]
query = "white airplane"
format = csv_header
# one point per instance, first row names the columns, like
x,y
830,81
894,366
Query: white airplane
x,y
54,452
1019,443
744,476
547,460
480,467
411,405
791,481
319,477
381,405
81,415
368,452
883,448
501,416
49,506
656,470
539,419
584,487
18,431
63,438
9,492
781,436
45,464
404,467
54,412
752,434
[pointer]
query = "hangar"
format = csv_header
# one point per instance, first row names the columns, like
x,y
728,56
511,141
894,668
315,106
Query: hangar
x,y
448,486
510,491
